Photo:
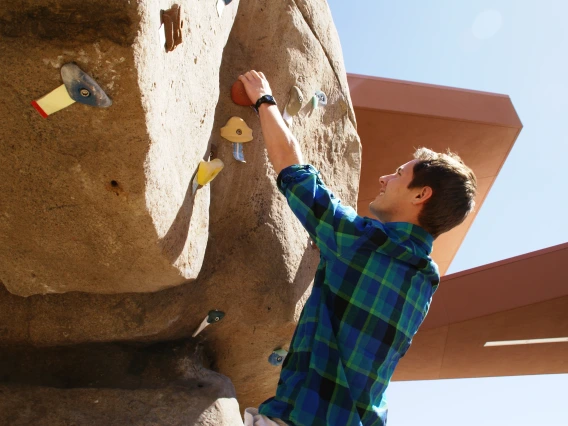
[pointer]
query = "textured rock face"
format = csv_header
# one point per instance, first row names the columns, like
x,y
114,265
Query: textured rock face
x,y
114,385
258,265
99,200
172,406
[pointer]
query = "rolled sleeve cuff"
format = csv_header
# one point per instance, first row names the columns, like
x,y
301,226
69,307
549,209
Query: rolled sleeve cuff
x,y
293,174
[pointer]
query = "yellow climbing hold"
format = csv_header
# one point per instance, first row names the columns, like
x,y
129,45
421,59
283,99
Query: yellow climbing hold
x,y
54,101
236,130
208,170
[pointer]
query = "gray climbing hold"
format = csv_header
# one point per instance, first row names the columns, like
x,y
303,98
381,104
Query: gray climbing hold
x,y
82,88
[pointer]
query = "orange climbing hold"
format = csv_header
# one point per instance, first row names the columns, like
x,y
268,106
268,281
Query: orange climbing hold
x,y
239,94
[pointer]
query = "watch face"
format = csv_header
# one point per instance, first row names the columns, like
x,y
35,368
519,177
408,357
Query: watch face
x,y
269,99
266,99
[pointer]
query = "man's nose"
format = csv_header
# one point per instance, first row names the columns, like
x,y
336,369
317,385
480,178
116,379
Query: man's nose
x,y
383,180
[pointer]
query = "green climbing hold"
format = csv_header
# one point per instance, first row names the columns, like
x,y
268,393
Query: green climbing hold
x,y
212,317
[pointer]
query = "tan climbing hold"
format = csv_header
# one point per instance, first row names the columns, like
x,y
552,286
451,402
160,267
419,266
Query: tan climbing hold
x,y
208,170
236,130
295,103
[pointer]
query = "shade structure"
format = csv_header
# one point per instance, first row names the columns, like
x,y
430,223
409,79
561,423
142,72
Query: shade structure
x,y
517,299
396,117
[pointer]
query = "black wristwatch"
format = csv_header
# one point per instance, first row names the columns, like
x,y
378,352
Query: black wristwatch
x,y
266,99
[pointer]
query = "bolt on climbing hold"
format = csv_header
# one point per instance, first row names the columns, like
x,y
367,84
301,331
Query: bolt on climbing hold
x,y
78,86
212,317
313,245
319,99
237,131
277,357
172,20
239,94
294,105
221,6
213,151
206,172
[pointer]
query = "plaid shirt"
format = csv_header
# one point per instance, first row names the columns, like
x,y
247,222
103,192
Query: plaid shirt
x,y
371,292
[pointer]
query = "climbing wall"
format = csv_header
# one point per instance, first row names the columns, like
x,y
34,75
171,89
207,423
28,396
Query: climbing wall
x,y
260,264
98,199
106,208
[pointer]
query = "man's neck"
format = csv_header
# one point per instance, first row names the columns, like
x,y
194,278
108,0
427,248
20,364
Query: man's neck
x,y
399,218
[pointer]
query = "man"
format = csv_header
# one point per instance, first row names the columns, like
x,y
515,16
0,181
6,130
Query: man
x,y
374,282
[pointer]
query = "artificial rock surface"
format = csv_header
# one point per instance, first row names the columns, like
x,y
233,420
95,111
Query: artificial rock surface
x,y
170,406
112,384
99,200
258,265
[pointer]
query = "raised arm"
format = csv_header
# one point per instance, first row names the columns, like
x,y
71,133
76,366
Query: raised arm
x,y
283,148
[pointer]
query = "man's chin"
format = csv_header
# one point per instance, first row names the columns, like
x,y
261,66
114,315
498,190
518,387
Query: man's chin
x,y
375,211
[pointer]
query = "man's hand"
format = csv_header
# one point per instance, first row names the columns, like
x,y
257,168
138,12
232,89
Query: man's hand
x,y
256,85
283,148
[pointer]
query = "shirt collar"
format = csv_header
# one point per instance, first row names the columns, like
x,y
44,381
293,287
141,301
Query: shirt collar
x,y
409,231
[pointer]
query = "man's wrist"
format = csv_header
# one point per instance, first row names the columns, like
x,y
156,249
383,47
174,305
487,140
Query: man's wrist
x,y
264,99
265,105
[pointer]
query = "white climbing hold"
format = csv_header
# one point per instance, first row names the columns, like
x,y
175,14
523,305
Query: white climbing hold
x,y
319,99
221,6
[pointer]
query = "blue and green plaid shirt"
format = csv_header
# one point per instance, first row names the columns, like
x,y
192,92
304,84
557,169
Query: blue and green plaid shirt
x,y
371,292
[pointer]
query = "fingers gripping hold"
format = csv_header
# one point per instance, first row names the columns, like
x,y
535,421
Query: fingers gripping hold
x,y
256,85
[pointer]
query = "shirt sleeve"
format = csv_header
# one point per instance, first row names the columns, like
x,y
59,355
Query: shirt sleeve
x,y
335,228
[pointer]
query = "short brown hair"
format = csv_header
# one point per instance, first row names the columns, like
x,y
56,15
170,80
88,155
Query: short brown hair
x,y
454,187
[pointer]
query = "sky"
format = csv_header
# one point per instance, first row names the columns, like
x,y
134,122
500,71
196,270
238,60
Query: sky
x,y
514,47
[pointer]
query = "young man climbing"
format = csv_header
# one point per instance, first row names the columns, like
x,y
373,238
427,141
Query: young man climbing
x,y
374,282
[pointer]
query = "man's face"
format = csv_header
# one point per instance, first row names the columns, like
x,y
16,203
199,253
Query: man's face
x,y
394,202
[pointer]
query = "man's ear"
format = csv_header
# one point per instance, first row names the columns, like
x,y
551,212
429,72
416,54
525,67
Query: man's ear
x,y
423,195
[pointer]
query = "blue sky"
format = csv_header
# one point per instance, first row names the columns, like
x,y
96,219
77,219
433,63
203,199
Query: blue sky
x,y
515,47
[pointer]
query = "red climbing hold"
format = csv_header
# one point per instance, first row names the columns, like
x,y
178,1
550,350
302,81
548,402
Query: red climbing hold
x,y
239,94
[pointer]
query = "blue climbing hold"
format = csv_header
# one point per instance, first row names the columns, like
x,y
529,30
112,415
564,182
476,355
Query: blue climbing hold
x,y
277,357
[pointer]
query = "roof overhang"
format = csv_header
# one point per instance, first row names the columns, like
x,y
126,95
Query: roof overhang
x,y
395,117
518,299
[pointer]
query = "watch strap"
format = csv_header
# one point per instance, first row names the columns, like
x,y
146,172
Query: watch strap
x,y
266,99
